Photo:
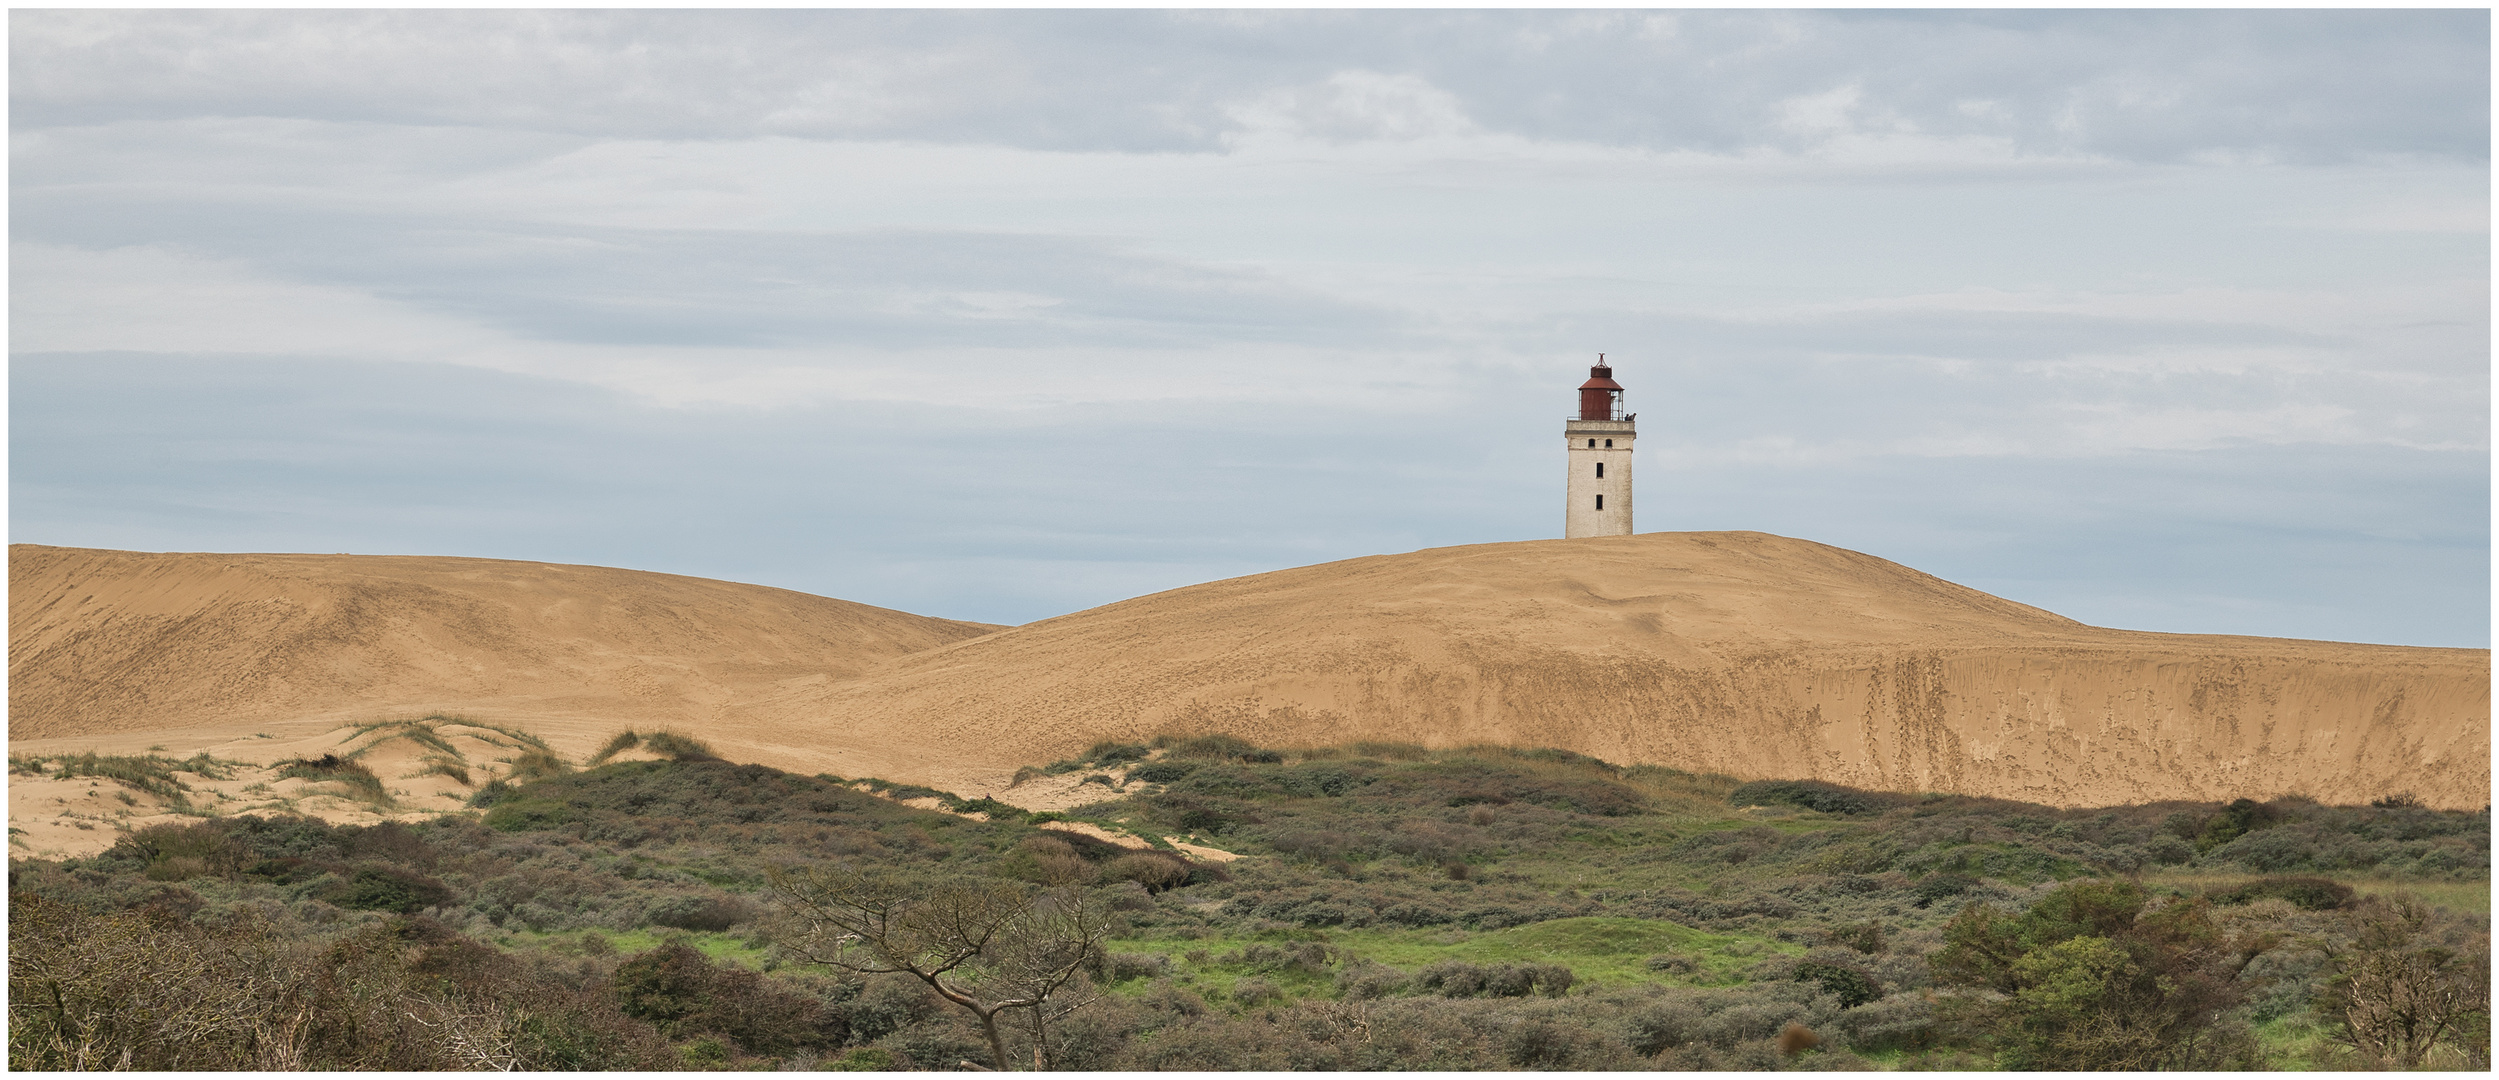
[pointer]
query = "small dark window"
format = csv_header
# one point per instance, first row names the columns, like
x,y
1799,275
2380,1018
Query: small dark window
x,y
1592,444
1609,443
1600,502
1600,470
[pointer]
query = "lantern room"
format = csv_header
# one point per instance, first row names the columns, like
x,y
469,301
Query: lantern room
x,y
1600,398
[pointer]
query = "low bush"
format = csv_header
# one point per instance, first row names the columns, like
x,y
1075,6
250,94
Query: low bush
x,y
1810,794
1457,978
382,888
1161,772
2311,893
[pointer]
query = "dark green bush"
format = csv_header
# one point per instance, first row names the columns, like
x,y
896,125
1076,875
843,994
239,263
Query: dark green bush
x,y
381,888
2312,893
1812,795
1161,772
1852,985
684,993
1220,747
527,815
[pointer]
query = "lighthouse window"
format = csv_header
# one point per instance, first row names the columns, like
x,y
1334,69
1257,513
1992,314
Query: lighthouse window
x,y
1592,444
1609,444
1600,470
1600,502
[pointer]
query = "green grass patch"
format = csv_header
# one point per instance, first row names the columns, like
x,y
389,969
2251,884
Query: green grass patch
x,y
1599,950
2467,897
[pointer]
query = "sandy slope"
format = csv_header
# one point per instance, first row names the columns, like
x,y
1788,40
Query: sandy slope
x,y
1742,653
105,642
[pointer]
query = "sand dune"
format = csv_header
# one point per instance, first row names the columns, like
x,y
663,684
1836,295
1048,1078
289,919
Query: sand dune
x,y
104,642
1741,653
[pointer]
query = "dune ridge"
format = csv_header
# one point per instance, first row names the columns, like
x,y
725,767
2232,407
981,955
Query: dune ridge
x,y
102,642
1742,653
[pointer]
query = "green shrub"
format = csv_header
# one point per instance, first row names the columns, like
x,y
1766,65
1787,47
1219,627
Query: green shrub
x,y
1852,985
1161,772
1457,978
1219,747
2238,819
2311,893
527,815
1812,795
376,888
685,994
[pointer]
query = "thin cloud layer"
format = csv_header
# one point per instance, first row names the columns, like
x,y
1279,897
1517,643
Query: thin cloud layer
x,y
2309,86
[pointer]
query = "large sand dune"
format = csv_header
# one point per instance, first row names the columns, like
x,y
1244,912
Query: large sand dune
x,y
102,642
1741,653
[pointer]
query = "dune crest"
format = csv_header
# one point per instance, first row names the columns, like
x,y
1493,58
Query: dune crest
x,y
1742,653
102,642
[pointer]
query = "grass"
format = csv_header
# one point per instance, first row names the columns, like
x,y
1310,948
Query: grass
x,y
153,774
437,765
360,783
2471,897
2293,1043
1599,950
619,743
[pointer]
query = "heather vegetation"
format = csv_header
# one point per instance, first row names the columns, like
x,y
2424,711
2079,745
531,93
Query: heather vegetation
x,y
1393,908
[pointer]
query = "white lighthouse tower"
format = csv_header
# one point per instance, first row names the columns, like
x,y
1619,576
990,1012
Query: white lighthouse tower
x,y
1600,459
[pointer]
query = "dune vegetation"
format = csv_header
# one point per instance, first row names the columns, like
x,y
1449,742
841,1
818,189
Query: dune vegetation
x,y
1222,905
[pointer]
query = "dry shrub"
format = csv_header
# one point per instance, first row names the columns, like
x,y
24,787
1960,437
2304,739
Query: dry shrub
x,y
1796,1038
1048,860
1153,870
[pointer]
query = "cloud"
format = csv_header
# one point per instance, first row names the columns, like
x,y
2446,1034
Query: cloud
x,y
2136,86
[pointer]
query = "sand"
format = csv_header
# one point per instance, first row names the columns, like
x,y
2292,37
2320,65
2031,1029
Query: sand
x,y
113,641
1740,653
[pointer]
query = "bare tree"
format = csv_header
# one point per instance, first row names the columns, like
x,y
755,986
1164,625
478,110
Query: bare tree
x,y
2400,990
986,945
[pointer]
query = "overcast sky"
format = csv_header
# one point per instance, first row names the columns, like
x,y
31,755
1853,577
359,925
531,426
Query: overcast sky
x,y
2160,320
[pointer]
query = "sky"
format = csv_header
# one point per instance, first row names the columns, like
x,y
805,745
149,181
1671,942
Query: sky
x,y
2161,320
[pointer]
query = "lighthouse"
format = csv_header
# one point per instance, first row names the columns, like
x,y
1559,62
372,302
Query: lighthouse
x,y
1599,488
